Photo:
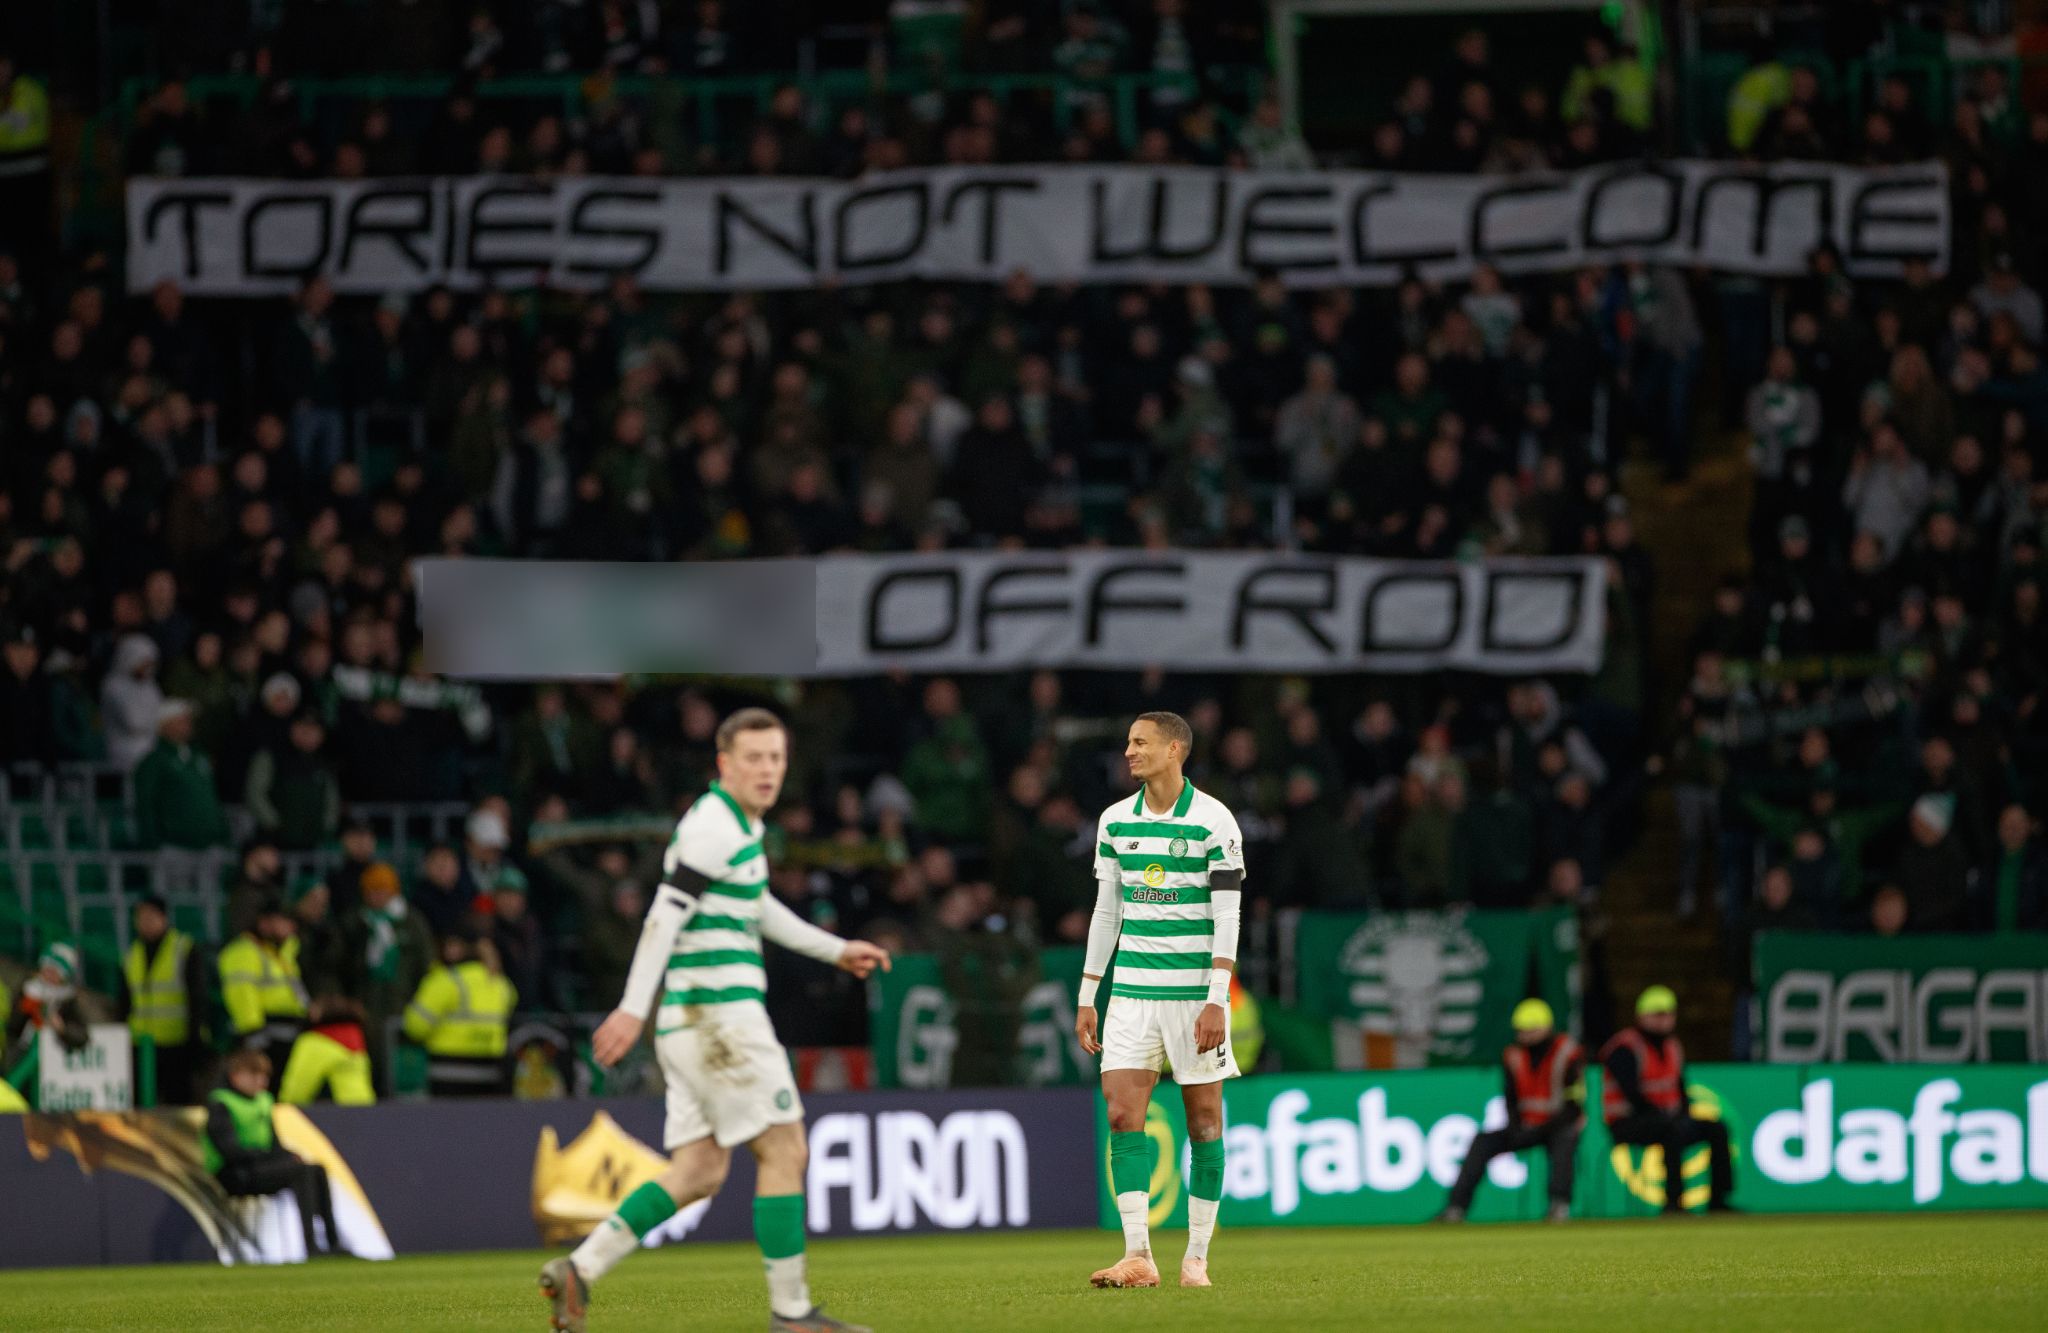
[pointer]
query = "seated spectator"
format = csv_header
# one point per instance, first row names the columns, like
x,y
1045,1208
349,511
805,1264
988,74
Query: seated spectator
x,y
241,1151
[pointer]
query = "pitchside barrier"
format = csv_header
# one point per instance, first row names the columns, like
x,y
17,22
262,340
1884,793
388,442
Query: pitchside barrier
x,y
1321,1150
410,1178
1348,1149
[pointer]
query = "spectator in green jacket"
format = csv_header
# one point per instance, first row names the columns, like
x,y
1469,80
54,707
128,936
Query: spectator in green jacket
x,y
948,772
1845,830
175,801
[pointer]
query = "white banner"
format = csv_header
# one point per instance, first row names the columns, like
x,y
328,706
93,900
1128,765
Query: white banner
x,y
1108,224
853,615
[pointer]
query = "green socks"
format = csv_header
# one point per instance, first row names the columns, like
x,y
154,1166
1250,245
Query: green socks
x,y
646,1208
779,1231
779,1225
1130,1164
1205,1169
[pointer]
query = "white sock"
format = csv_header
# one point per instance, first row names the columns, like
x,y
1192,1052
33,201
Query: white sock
x,y
1201,1225
1132,1208
602,1249
789,1289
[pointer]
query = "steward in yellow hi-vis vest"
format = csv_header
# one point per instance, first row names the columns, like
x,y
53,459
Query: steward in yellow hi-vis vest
x,y
260,984
460,1014
332,1057
163,996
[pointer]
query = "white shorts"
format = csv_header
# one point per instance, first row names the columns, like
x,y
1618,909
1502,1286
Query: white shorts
x,y
728,1079
1156,1034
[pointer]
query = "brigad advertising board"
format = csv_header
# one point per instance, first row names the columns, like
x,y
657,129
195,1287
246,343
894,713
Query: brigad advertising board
x,y
425,1176
1345,1149
1941,999
1061,223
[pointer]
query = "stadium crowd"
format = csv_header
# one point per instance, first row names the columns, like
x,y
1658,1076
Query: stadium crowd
x,y
206,516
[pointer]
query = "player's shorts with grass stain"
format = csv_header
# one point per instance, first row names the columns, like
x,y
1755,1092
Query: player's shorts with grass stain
x,y
728,1078
1159,1035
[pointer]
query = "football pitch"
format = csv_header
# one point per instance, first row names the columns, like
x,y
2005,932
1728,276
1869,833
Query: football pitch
x,y
1930,1272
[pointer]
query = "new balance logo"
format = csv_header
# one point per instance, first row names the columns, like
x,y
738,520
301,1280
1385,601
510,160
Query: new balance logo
x,y
1131,846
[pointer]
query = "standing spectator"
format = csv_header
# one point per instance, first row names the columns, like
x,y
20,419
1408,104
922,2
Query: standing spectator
x,y
259,878
520,941
2012,891
440,895
293,792
176,804
26,729
948,771
131,701
1933,867
1316,428
386,949
310,379
609,937
1886,489
1664,327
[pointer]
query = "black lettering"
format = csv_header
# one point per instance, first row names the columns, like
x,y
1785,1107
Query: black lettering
x,y
1362,253
946,577
1667,230
403,233
1486,250
987,609
481,228
993,188
1504,585
1764,191
1862,217
1299,607
582,228
187,203
323,209
1154,246
919,191
1369,626
1251,226
1101,603
728,209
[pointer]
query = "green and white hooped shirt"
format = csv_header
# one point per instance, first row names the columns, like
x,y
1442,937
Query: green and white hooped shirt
x,y
1162,864
716,958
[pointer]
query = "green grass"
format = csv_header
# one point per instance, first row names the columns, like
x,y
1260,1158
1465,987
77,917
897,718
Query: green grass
x,y
1977,1272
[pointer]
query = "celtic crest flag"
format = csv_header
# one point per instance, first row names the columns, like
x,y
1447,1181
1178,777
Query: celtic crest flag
x,y
1438,986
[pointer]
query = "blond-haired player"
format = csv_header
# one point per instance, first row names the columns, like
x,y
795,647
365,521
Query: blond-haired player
x,y
728,1077
1169,870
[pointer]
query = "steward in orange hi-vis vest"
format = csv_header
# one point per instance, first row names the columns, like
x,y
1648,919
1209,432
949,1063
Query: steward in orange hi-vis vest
x,y
1545,1072
1644,1100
